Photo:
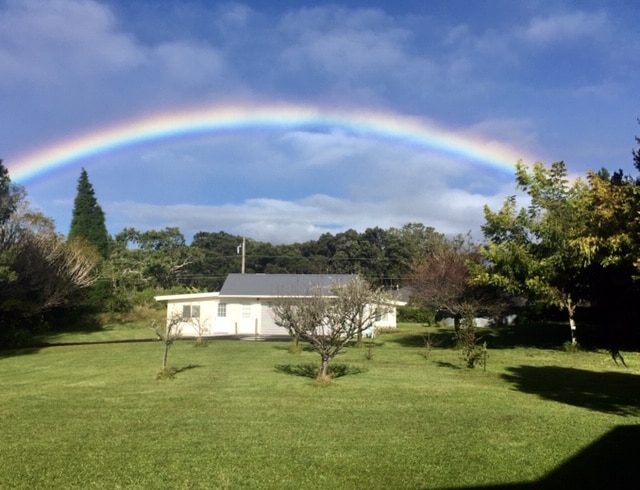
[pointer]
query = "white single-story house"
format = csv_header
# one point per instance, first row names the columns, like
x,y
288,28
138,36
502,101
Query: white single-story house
x,y
243,305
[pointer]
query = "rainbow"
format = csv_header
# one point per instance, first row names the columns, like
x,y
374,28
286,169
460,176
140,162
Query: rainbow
x,y
214,120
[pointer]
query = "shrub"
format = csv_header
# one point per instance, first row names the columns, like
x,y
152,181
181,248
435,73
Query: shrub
x,y
201,342
136,314
468,339
166,373
569,346
416,314
429,343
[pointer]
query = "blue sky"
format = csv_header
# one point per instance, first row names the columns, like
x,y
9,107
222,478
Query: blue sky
x,y
553,80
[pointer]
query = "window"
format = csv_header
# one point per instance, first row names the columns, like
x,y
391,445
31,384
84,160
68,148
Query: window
x,y
191,311
222,309
246,311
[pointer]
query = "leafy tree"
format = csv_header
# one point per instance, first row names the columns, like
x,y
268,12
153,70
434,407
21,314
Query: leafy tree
x,y
150,259
534,251
610,250
88,219
41,272
386,257
10,198
49,269
330,321
10,195
420,240
215,256
381,256
636,153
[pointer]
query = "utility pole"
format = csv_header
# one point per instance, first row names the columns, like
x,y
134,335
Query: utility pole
x,y
241,247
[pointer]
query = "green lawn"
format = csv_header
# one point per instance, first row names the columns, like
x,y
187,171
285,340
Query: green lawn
x,y
94,416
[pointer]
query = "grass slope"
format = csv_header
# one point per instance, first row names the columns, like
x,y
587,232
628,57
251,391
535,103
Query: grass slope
x,y
94,416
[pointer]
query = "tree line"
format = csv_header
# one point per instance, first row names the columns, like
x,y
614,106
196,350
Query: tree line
x,y
573,247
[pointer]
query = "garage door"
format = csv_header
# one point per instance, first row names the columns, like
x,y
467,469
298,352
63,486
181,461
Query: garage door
x,y
267,325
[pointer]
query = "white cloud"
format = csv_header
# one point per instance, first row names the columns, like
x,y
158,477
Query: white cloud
x,y
320,149
565,27
449,210
71,65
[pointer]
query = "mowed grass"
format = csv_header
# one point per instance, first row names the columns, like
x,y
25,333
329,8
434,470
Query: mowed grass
x,y
94,416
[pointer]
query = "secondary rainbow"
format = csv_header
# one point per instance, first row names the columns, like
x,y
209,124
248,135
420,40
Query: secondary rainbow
x,y
396,128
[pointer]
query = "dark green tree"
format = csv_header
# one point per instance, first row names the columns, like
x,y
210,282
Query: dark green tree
x,y
636,152
151,259
88,220
41,274
10,195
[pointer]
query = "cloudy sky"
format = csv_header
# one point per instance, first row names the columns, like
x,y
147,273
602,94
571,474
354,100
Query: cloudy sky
x,y
546,80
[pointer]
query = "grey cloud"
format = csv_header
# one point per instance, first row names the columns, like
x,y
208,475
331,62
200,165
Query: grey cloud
x,y
48,41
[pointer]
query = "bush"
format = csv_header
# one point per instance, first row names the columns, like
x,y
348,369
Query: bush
x,y
468,342
416,314
136,314
167,373
569,346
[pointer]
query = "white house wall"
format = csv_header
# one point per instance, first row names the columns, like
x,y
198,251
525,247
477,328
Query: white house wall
x,y
388,320
244,316
205,322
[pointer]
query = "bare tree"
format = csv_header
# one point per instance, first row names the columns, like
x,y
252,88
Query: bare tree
x,y
168,332
201,326
328,322
361,305
441,280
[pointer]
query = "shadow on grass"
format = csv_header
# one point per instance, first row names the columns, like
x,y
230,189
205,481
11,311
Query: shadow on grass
x,y
442,338
18,351
311,370
186,368
605,463
302,347
544,335
608,392
447,365
170,373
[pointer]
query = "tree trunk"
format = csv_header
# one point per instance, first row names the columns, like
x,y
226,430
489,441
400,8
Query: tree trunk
x,y
574,336
166,356
457,320
571,309
323,374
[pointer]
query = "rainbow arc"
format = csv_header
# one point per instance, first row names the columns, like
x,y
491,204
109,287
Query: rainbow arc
x,y
214,120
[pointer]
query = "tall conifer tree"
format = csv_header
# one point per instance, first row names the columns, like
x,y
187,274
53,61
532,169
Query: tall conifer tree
x,y
88,220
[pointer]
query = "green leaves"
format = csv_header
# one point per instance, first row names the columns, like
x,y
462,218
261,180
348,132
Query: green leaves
x,y
538,252
88,219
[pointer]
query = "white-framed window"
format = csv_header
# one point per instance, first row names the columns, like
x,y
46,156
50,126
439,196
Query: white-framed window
x,y
222,309
191,311
246,311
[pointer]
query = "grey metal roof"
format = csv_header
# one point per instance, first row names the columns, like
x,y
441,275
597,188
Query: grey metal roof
x,y
281,284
